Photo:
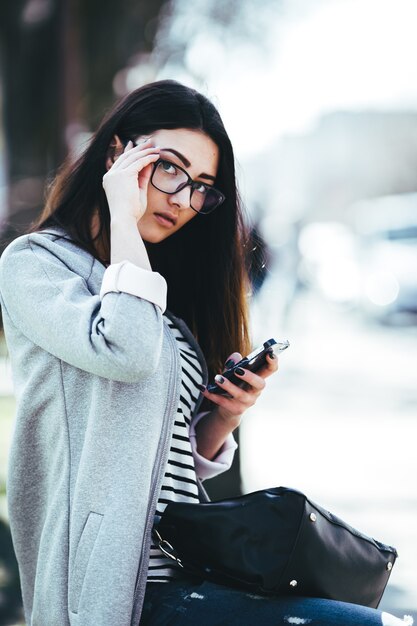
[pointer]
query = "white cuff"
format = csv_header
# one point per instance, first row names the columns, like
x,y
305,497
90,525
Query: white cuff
x,y
129,278
221,462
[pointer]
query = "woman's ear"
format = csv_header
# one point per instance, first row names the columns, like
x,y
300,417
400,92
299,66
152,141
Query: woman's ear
x,y
115,150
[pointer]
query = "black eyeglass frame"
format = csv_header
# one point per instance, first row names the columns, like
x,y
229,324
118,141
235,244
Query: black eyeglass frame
x,y
189,183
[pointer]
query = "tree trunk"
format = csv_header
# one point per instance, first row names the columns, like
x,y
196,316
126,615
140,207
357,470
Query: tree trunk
x,y
58,62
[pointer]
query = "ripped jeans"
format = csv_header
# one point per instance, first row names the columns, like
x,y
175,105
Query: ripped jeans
x,y
183,603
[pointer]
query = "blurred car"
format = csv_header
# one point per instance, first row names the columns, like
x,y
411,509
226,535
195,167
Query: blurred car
x,y
371,265
387,232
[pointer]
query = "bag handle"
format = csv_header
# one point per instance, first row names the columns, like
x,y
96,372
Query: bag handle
x,y
167,549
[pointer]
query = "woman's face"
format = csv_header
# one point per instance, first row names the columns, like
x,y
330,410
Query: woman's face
x,y
198,155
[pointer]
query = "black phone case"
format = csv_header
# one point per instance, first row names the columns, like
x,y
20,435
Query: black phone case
x,y
252,362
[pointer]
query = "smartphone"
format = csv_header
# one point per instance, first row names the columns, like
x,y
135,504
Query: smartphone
x,y
253,362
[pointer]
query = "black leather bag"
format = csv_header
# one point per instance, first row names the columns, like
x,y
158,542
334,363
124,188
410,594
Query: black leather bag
x,y
276,541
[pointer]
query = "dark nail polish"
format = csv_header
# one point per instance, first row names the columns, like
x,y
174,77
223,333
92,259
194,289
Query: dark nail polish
x,y
229,363
219,379
201,387
272,355
239,371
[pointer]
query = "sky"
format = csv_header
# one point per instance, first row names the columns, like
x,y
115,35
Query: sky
x,y
317,56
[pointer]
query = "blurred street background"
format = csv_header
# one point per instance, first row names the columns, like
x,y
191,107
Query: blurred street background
x,y
320,100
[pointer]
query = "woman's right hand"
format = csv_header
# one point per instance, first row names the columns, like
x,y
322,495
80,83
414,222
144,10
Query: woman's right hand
x,y
126,182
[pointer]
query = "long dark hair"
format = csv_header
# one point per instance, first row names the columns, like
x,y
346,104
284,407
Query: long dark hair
x,y
204,262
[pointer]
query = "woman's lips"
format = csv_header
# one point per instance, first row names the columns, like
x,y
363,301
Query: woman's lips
x,y
165,220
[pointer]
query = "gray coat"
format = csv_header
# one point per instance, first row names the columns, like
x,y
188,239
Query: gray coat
x,y
97,382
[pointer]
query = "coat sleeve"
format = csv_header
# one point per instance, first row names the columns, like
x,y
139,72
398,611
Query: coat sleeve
x,y
116,335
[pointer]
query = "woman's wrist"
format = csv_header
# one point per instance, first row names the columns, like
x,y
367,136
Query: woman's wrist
x,y
213,430
126,244
230,421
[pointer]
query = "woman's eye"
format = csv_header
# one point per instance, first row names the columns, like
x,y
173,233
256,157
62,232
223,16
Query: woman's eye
x,y
169,168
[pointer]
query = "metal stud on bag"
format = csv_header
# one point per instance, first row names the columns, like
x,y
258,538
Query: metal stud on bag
x,y
293,583
313,517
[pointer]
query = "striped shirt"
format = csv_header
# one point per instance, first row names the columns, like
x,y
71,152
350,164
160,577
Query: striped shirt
x,y
180,481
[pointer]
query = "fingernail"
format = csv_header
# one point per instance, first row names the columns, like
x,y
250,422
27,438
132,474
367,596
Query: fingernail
x,y
219,379
201,387
272,355
229,363
239,371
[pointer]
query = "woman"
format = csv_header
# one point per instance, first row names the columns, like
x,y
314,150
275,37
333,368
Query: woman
x,y
110,423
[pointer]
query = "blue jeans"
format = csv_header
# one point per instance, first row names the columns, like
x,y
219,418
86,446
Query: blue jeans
x,y
189,603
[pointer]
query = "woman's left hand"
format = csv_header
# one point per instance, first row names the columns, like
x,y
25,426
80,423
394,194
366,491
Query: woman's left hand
x,y
241,399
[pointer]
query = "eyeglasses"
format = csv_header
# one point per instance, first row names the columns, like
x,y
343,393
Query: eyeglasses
x,y
170,178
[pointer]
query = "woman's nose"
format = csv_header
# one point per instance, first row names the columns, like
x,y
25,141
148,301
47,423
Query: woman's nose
x,y
181,198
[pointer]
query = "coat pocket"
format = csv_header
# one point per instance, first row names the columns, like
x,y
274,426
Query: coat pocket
x,y
82,557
